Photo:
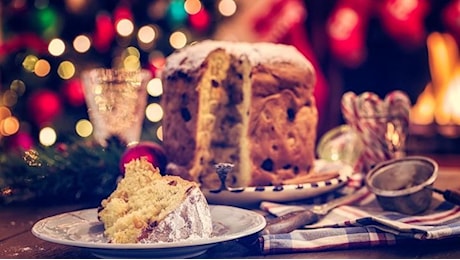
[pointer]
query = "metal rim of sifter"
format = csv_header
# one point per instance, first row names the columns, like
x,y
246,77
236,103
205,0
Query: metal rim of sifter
x,y
386,165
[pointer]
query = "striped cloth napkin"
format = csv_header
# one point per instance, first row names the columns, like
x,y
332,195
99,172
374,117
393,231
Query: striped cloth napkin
x,y
362,224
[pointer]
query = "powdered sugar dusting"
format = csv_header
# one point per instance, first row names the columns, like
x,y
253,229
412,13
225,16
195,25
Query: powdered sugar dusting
x,y
192,220
191,57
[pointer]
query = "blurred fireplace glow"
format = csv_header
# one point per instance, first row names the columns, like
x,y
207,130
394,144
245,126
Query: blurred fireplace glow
x,y
439,103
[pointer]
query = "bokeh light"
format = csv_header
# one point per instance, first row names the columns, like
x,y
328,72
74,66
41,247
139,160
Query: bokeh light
x,y
125,27
9,126
47,136
146,34
227,7
56,47
29,62
66,70
9,98
178,40
192,6
18,86
42,68
4,112
160,133
84,128
157,59
154,112
155,87
131,62
81,43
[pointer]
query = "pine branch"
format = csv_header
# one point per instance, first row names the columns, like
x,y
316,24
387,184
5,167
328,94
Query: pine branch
x,y
65,172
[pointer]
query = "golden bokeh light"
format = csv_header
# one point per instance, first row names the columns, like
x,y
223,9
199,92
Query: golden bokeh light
x,y
84,128
10,98
9,126
56,47
178,39
160,133
131,62
4,112
157,59
29,62
154,112
81,43
155,87
47,136
146,34
192,6
227,7
42,68
66,70
18,86
125,27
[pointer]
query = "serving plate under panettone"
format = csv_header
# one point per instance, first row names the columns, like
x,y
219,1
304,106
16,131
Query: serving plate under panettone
x,y
285,193
81,228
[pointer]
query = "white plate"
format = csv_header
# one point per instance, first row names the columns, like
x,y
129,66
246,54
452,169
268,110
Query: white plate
x,y
284,193
82,229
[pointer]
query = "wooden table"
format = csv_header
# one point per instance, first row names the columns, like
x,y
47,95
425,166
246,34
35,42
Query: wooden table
x,y
17,241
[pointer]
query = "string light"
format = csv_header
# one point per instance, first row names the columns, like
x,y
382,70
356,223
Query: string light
x,y
192,6
47,136
29,62
155,87
56,47
227,7
125,27
84,128
157,59
178,40
9,126
42,68
18,86
10,98
131,62
160,133
176,13
154,112
66,70
4,112
81,43
146,34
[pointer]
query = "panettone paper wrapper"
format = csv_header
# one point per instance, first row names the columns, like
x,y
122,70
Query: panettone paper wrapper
x,y
362,224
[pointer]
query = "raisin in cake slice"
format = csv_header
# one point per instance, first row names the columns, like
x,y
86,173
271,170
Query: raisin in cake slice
x,y
147,207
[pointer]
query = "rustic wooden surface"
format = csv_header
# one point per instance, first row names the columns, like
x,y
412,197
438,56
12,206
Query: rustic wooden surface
x,y
17,241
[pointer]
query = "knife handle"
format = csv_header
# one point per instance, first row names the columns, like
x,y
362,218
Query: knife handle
x,y
452,196
290,222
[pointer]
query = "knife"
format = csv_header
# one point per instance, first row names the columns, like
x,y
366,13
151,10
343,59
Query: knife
x,y
297,219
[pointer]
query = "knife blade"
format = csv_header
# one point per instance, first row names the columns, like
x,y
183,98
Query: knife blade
x,y
297,219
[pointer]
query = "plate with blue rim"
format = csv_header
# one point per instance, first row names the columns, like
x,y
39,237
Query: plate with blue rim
x,y
285,193
82,229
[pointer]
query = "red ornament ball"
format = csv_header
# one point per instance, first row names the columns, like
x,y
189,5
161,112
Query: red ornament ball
x,y
73,93
154,153
43,106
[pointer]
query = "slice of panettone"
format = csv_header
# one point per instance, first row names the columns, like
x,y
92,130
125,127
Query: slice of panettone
x,y
147,207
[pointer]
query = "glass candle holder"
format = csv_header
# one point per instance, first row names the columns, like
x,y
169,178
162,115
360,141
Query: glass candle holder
x,y
116,101
341,143
382,125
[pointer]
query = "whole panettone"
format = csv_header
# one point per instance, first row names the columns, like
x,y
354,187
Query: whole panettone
x,y
250,104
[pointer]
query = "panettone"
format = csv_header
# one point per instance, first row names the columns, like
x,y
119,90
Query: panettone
x,y
147,207
250,104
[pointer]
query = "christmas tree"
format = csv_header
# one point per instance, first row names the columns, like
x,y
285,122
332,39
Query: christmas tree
x,y
45,46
